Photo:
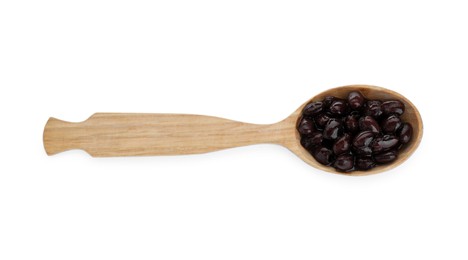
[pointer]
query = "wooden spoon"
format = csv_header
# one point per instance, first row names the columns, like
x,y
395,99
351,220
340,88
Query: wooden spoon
x,y
119,134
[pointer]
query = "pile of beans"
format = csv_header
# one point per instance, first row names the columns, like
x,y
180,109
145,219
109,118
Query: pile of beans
x,y
354,133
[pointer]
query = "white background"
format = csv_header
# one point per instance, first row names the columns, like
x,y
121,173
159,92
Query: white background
x,y
253,61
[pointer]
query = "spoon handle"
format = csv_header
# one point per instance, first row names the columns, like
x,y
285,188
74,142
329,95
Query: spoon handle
x,y
119,134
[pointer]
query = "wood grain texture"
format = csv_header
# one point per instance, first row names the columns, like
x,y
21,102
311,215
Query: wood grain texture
x,y
118,134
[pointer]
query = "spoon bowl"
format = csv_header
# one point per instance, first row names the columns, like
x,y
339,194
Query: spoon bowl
x,y
137,134
411,116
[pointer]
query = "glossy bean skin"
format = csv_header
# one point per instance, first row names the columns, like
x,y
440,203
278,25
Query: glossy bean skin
x,y
386,157
342,144
363,139
313,108
393,107
355,100
316,138
391,124
327,101
338,107
323,155
364,163
368,123
373,108
384,143
363,151
405,133
344,163
321,120
311,141
352,123
306,126
353,133
332,130
306,143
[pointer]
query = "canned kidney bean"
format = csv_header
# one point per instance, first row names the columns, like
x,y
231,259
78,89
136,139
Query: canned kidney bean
x,y
354,133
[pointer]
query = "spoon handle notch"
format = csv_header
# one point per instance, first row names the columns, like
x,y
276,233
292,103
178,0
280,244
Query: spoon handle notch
x,y
133,134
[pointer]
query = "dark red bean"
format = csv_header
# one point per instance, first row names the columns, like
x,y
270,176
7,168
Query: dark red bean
x,y
405,133
333,129
393,107
342,145
386,157
323,155
316,138
312,140
363,139
363,151
307,143
321,120
355,100
364,163
368,123
391,124
384,143
306,126
338,107
373,108
344,163
327,101
313,108
353,134
352,123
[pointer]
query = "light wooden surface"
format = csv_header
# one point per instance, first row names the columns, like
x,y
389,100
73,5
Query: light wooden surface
x,y
119,134
123,134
